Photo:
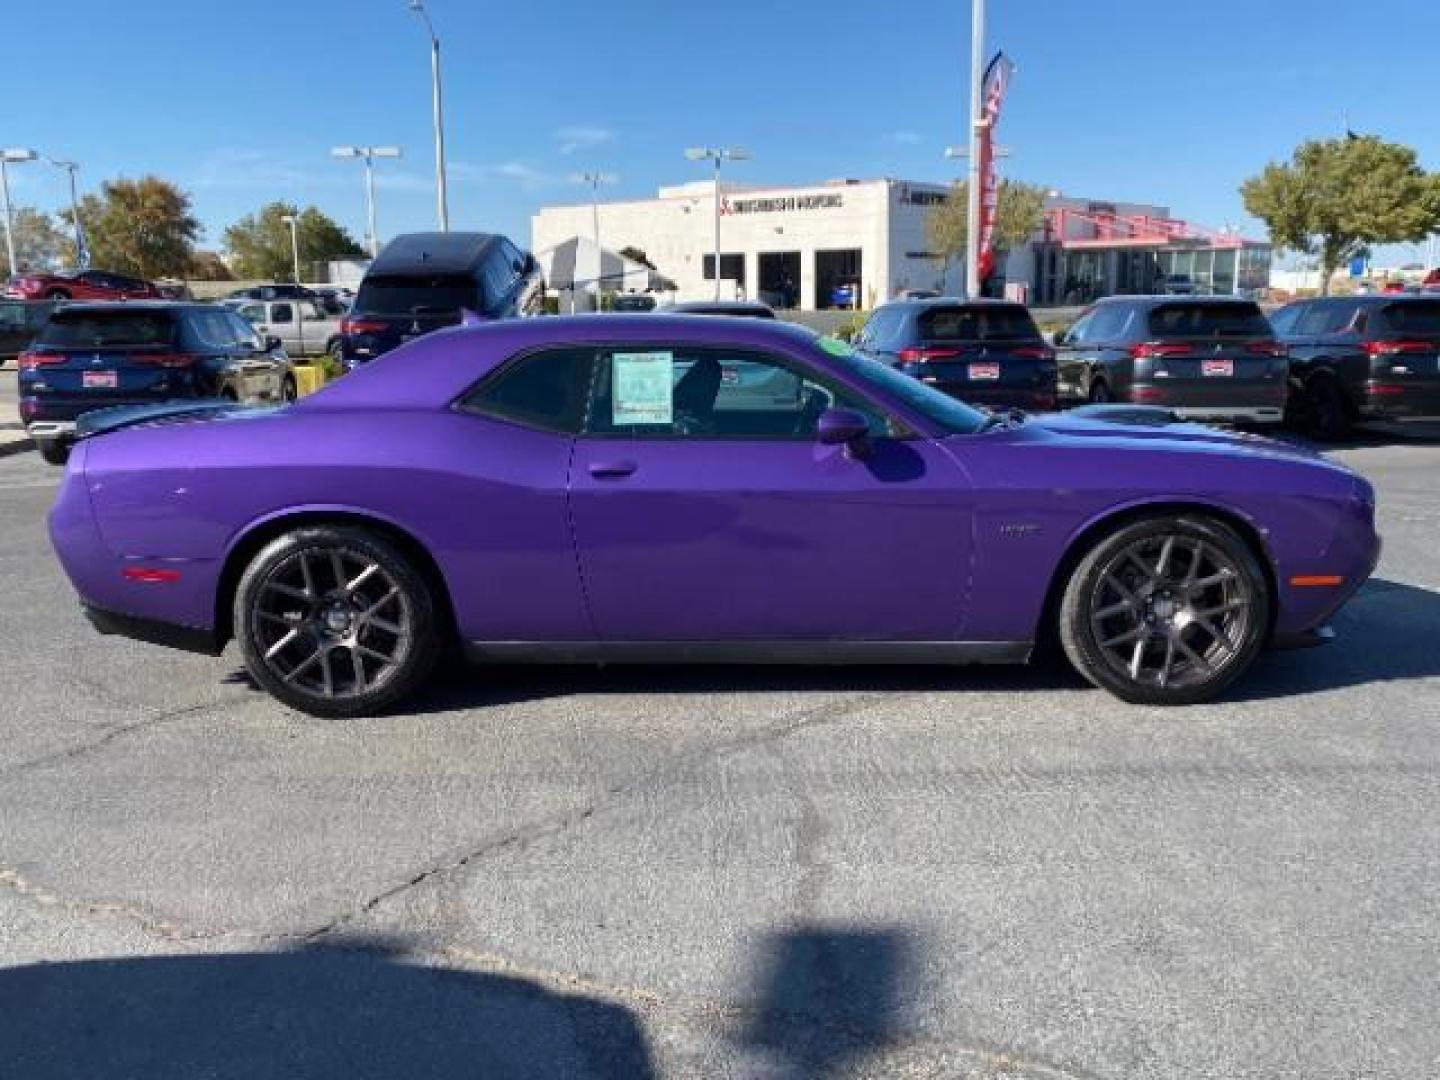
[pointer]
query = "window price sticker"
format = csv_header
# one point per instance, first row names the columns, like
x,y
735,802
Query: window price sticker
x,y
642,388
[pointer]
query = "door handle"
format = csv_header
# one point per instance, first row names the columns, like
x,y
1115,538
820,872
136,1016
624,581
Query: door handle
x,y
611,470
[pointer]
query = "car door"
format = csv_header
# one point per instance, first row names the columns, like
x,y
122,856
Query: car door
x,y
704,515
1072,369
282,324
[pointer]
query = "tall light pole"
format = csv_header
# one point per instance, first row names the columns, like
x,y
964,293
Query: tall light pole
x,y
11,156
717,154
977,127
294,223
442,203
594,179
72,168
369,154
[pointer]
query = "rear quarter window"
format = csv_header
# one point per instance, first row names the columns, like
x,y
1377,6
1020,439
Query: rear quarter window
x,y
545,390
1208,320
106,329
1422,317
987,323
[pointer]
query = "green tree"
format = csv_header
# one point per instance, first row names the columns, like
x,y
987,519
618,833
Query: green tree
x,y
141,227
1337,197
208,266
259,243
1019,211
39,244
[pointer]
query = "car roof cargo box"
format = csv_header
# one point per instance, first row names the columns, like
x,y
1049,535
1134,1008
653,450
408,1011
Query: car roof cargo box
x,y
436,252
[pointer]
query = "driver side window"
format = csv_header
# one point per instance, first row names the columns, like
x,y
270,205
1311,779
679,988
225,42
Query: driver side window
x,y
668,392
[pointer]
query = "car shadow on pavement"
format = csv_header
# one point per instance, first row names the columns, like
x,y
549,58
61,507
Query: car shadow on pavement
x,y
829,998
1365,436
350,1013
1387,632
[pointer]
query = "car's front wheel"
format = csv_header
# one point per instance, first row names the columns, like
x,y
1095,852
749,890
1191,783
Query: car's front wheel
x,y
1166,611
54,451
335,621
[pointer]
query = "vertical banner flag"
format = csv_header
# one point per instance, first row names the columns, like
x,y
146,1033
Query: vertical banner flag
x,y
997,81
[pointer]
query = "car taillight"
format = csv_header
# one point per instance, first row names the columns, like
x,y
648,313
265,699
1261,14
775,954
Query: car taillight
x,y
924,356
1033,352
29,361
1266,348
1396,348
1151,349
361,326
166,360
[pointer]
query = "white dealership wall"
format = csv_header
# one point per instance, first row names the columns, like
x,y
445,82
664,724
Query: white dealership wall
x,y
883,219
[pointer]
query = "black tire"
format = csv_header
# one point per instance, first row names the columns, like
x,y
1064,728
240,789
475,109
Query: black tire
x,y
57,294
289,392
337,609
1099,392
229,393
1321,410
1205,598
54,451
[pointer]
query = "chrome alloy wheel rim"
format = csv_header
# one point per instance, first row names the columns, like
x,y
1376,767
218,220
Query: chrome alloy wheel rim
x,y
1171,611
332,623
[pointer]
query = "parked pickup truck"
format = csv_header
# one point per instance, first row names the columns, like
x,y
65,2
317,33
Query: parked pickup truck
x,y
303,326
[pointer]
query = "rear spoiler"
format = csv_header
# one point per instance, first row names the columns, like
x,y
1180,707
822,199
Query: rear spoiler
x,y
104,421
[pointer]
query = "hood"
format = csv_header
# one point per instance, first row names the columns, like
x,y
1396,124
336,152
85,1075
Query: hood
x,y
103,421
1143,427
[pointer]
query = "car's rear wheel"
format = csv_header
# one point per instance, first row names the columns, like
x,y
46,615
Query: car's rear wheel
x,y
335,621
1321,411
289,392
54,451
1099,392
1166,611
57,294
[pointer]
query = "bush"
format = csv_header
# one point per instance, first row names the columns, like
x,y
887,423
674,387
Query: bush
x,y
850,329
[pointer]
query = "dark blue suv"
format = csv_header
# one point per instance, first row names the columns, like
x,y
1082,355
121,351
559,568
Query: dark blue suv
x,y
426,281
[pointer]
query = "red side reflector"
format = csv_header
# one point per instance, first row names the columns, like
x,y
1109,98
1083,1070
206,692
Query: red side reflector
x,y
1311,581
150,575
29,361
1395,348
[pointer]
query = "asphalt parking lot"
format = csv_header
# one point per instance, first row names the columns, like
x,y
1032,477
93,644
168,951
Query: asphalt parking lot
x,y
729,872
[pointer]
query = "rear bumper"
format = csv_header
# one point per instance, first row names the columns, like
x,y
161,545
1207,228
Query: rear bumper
x,y
1397,400
1231,414
51,429
155,632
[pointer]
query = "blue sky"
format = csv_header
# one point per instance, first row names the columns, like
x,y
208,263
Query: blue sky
x,y
1128,99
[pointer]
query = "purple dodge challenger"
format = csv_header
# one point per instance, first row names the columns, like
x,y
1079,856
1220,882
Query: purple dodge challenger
x,y
680,488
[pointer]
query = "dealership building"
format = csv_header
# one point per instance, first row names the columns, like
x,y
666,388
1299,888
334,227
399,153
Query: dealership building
x,y
802,246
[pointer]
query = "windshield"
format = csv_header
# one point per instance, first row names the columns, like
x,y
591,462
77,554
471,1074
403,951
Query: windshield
x,y
106,329
404,294
950,415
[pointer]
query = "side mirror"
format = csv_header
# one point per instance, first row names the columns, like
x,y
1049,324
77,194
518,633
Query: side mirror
x,y
272,343
844,427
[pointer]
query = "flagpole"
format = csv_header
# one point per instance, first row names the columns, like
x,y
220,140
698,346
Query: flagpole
x,y
977,126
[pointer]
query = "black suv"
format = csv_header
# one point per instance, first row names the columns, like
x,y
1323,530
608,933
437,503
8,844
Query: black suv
x,y
1358,358
425,281
1203,358
94,356
987,352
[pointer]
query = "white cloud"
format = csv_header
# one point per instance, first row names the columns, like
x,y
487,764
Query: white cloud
x,y
239,168
520,172
403,181
583,138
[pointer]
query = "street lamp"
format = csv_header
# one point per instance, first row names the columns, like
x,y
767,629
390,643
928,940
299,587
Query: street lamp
x,y
82,257
442,205
294,223
594,179
369,154
11,156
976,133
717,154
